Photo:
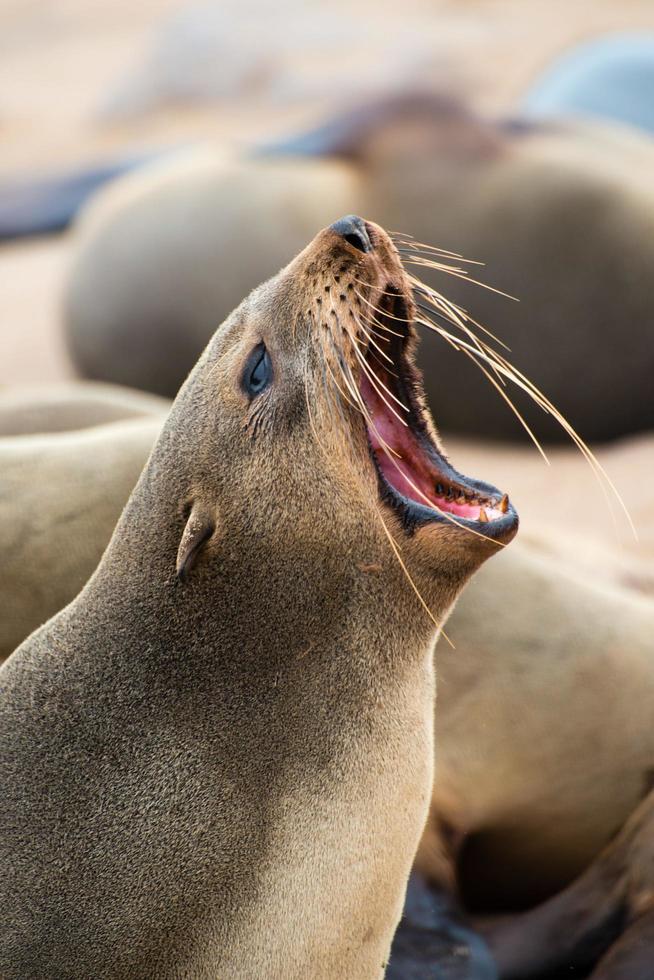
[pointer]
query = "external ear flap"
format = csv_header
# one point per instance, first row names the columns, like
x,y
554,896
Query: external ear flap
x,y
199,528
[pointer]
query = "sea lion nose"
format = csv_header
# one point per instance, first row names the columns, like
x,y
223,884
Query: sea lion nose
x,y
353,229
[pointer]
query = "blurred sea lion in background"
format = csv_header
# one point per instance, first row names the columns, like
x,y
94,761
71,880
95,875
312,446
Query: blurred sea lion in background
x,y
32,409
527,788
46,203
60,497
605,919
609,77
70,454
562,215
227,225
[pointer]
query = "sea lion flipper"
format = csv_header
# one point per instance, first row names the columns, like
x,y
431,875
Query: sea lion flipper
x,y
47,204
200,526
348,132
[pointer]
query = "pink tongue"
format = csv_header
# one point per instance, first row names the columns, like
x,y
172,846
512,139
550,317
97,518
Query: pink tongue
x,y
407,471
407,482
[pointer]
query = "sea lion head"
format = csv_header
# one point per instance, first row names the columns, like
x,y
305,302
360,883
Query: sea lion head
x,y
303,443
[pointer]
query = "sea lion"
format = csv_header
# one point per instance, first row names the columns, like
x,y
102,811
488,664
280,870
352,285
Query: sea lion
x,y
544,576
475,842
46,203
543,729
562,215
605,919
31,409
60,497
217,760
610,77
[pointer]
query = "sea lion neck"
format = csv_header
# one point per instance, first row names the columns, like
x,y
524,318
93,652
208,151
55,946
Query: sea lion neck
x,y
272,583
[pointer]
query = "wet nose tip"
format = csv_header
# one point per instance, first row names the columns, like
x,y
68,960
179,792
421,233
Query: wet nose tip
x,y
353,229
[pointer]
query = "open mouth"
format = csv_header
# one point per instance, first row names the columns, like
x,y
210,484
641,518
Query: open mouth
x,y
414,476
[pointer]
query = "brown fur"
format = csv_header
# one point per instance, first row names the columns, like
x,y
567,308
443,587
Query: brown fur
x,y
228,775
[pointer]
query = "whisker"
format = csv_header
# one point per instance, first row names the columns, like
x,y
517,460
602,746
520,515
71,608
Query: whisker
x,y
371,340
461,323
420,252
441,266
513,408
424,605
475,353
337,403
372,377
345,396
362,407
513,374
382,292
384,313
389,450
453,341
328,366
547,405
451,309
374,380
357,401
403,237
309,413
459,274
470,319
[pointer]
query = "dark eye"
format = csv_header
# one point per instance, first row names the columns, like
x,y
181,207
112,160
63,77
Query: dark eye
x,y
258,371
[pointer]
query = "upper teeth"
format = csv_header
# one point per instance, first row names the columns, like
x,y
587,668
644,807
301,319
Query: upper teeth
x,y
460,497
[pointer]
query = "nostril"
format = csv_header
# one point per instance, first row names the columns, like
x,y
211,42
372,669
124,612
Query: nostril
x,y
353,229
357,241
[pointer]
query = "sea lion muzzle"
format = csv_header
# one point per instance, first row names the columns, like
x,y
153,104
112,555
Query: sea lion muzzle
x,y
415,478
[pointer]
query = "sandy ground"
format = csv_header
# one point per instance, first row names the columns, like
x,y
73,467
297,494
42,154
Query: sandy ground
x,y
63,64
